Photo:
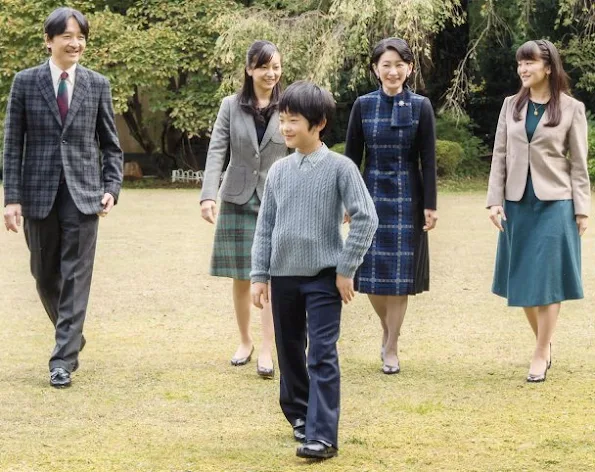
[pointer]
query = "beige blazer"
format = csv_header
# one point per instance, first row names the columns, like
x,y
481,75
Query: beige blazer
x,y
234,130
556,155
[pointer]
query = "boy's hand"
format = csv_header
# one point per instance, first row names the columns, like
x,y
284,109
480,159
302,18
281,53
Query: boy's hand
x,y
260,293
345,287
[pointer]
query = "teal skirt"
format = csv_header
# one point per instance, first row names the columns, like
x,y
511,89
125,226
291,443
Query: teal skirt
x,y
538,261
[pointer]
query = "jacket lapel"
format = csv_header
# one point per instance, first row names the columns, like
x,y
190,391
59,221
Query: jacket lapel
x,y
520,127
81,87
250,128
44,82
271,128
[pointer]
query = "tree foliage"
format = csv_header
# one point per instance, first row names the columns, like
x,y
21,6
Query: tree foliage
x,y
157,57
171,61
331,44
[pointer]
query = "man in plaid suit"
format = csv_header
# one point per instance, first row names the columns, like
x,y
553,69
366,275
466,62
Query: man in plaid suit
x,y
62,168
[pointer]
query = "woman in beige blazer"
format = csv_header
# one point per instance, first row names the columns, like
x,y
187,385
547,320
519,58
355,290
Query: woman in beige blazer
x,y
247,126
539,195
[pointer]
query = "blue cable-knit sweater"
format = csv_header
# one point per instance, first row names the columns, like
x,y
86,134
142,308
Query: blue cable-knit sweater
x,y
298,232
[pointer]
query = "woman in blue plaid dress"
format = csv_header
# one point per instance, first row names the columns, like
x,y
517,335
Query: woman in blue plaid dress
x,y
247,127
392,131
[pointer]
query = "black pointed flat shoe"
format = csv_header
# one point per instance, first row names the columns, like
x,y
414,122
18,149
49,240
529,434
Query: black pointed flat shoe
x,y
242,360
264,372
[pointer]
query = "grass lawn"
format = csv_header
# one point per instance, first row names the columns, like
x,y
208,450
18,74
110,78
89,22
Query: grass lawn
x,y
155,391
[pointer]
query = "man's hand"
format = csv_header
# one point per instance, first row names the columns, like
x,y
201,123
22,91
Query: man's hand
x,y
496,215
345,287
12,217
208,210
108,203
581,223
260,293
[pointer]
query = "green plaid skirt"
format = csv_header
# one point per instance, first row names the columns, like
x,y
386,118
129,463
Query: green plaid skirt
x,y
233,239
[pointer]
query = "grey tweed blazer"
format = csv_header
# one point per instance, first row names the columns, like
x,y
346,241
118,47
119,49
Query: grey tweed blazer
x,y
249,163
37,147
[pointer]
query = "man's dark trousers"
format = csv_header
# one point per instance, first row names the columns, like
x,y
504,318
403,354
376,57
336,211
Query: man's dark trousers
x,y
309,392
62,247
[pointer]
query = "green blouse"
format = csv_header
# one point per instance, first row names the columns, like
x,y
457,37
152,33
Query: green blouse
x,y
532,118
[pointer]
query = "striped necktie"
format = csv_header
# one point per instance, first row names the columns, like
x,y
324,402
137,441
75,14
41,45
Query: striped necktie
x,y
63,96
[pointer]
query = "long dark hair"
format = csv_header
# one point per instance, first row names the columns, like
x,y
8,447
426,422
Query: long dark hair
x,y
542,49
398,45
259,53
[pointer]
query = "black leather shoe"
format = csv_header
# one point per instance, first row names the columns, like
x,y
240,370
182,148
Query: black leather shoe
x,y
242,360
59,377
264,372
316,450
299,431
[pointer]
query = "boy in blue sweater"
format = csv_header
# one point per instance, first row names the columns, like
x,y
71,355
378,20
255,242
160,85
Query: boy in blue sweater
x,y
299,250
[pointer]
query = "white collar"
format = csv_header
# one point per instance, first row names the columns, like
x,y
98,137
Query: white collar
x,y
56,71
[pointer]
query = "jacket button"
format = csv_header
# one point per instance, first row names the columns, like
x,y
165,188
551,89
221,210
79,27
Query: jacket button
x,y
64,141
256,156
255,172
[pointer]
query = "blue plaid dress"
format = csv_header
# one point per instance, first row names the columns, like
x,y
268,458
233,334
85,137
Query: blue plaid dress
x,y
398,137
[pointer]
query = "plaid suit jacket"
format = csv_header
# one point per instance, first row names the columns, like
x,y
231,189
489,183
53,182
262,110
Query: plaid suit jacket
x,y
37,146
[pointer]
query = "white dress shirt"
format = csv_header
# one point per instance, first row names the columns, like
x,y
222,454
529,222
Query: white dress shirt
x,y
56,71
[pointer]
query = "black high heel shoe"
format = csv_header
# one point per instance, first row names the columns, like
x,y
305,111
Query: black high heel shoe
x,y
549,362
532,378
535,378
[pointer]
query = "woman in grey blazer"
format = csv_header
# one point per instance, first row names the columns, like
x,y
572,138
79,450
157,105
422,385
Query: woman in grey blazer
x,y
539,195
248,126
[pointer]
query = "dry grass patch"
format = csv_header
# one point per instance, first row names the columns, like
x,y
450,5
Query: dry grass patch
x,y
155,391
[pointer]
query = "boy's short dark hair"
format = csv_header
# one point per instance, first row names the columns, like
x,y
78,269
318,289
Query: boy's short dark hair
x,y
57,21
309,100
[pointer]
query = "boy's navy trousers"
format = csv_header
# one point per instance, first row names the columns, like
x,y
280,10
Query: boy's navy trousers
x,y
310,385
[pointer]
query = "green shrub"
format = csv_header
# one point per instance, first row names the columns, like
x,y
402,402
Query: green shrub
x,y
448,128
339,147
449,156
